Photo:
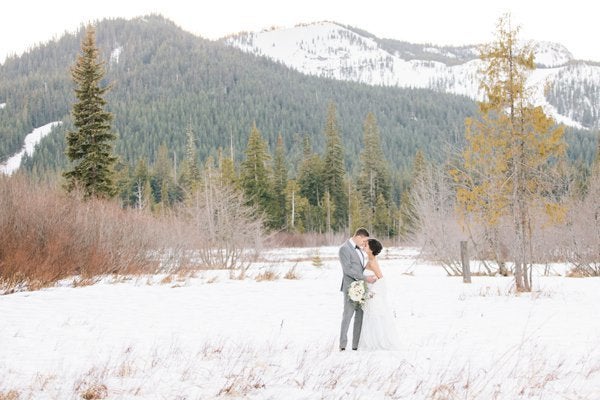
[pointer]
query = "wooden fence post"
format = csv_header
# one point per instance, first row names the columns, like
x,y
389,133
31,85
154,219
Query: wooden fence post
x,y
464,257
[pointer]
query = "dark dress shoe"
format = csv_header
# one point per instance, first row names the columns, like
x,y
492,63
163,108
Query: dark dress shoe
x,y
342,348
354,348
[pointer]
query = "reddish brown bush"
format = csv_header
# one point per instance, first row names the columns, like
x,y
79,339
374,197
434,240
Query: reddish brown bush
x,y
47,235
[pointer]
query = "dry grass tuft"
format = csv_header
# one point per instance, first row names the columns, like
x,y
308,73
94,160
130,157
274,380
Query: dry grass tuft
x,y
10,395
444,392
292,274
267,275
242,384
240,276
95,392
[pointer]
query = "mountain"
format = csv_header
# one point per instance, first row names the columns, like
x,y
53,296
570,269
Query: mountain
x,y
165,79
567,89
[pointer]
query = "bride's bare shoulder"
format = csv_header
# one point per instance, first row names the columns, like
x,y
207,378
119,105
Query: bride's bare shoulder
x,y
373,265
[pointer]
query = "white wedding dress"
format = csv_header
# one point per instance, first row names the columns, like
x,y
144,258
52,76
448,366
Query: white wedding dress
x,y
379,330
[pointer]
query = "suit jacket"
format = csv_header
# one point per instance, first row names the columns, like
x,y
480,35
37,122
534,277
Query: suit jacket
x,y
352,267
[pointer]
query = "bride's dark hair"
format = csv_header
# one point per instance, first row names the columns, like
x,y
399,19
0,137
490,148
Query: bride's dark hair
x,y
375,246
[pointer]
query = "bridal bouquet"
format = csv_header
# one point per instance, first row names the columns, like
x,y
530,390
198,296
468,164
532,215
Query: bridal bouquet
x,y
358,293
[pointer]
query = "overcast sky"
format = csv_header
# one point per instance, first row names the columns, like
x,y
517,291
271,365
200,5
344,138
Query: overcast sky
x,y
573,23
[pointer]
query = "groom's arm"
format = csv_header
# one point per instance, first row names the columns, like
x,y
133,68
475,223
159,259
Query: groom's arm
x,y
350,264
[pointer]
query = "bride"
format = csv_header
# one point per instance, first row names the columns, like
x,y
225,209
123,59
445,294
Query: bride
x,y
379,326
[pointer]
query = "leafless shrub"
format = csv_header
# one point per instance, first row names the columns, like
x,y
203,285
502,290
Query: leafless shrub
x,y
228,230
46,235
438,231
583,249
575,239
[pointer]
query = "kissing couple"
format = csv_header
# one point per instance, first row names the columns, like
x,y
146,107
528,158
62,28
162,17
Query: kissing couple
x,y
374,323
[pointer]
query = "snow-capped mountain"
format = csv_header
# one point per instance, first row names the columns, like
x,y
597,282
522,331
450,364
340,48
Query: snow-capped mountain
x,y
566,89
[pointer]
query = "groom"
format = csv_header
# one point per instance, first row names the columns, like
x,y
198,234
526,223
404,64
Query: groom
x,y
353,264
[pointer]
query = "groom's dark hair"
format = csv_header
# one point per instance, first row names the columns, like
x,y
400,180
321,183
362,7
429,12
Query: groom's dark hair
x,y
361,232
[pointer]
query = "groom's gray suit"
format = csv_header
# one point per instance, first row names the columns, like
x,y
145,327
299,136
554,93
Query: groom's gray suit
x,y
352,267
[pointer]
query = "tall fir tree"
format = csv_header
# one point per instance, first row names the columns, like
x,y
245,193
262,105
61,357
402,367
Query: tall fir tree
x,y
190,171
141,191
163,184
312,188
383,223
255,175
374,177
227,173
334,171
90,146
296,207
409,218
357,212
280,178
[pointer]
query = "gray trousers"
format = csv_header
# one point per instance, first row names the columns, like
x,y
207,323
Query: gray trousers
x,y
349,311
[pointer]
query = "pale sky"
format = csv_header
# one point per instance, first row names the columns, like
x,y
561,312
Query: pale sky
x,y
573,23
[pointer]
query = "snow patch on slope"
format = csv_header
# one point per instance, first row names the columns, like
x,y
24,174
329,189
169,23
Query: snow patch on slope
x,y
31,140
114,55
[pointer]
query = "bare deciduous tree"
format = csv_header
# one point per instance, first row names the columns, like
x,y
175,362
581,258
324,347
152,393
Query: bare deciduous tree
x,y
438,230
230,232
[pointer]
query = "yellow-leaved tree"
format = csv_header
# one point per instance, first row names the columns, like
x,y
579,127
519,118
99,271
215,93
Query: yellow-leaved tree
x,y
511,155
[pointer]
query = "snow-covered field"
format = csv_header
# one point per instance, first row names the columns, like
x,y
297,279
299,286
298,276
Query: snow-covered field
x,y
211,336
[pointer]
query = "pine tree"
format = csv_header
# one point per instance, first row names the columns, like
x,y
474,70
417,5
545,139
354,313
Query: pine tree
x,y
358,213
90,146
227,172
408,215
141,190
512,149
190,171
334,171
163,185
280,178
296,207
312,188
374,177
382,218
255,175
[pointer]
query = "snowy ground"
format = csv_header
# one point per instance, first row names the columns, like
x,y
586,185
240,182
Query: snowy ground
x,y
211,336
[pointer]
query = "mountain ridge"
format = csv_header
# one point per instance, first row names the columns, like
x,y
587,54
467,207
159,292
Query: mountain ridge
x,y
165,79
333,50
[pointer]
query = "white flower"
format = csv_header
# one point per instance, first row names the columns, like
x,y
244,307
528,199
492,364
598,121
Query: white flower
x,y
357,292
